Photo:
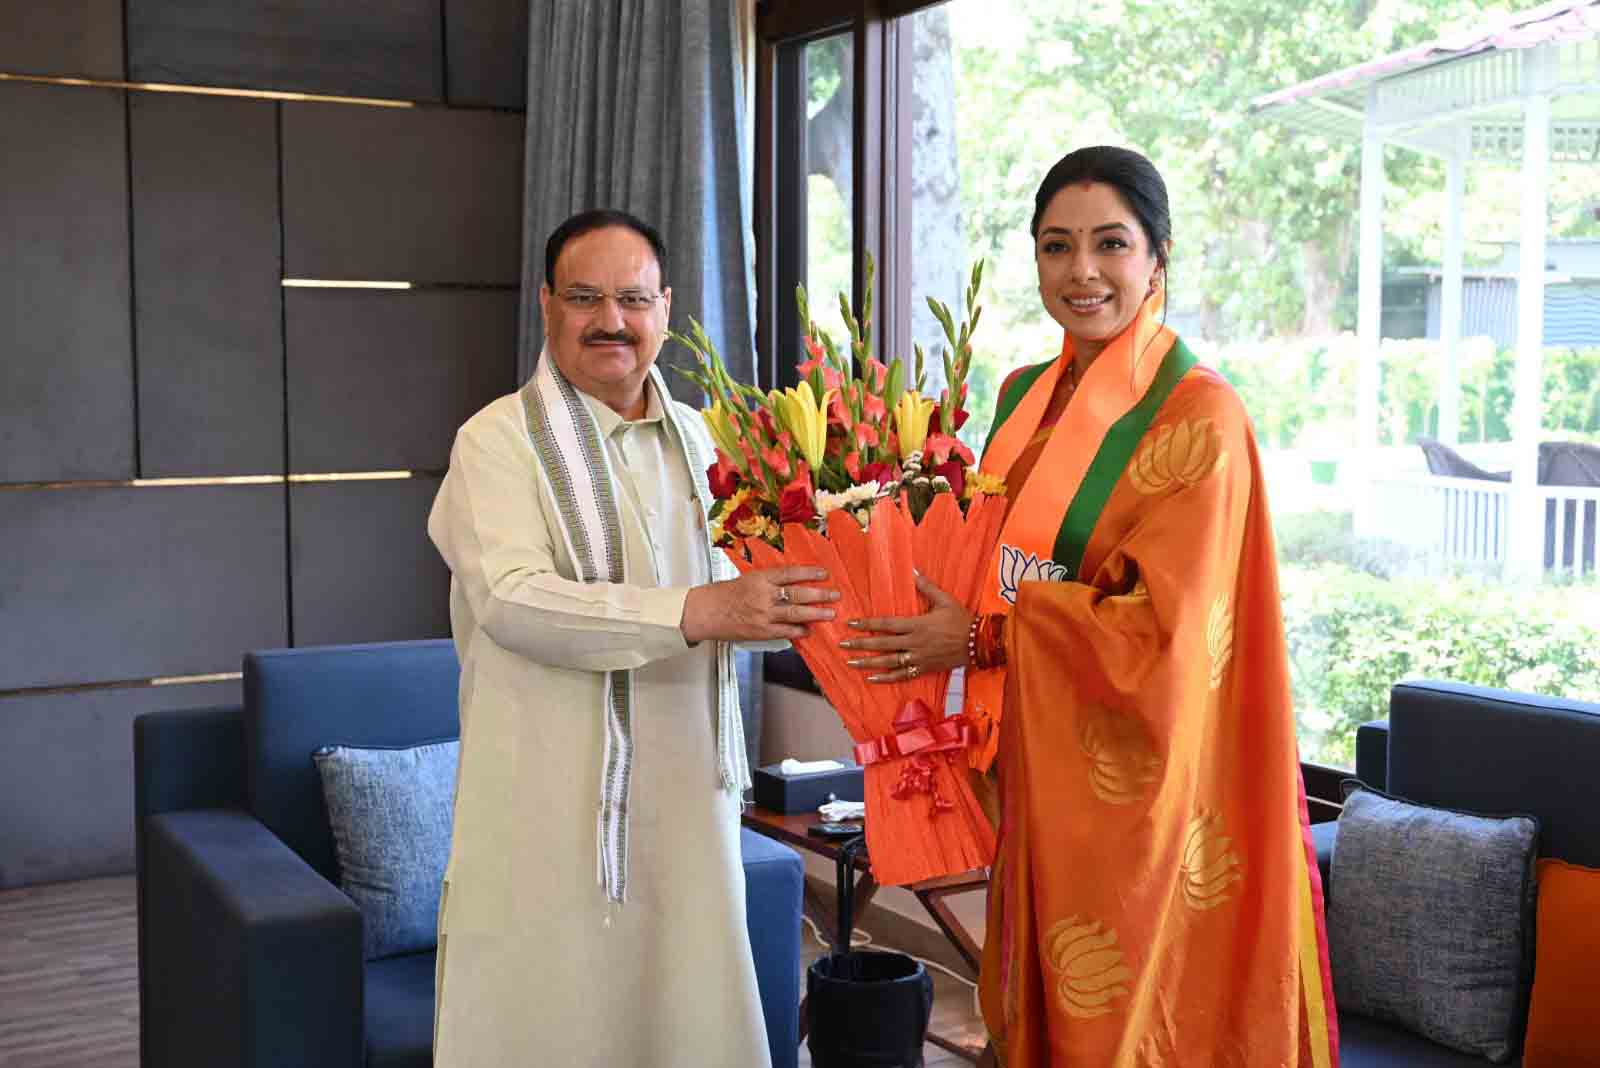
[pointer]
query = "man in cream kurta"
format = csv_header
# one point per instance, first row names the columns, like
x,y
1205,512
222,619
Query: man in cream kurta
x,y
539,964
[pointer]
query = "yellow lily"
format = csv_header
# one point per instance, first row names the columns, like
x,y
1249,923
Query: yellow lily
x,y
723,432
806,418
911,416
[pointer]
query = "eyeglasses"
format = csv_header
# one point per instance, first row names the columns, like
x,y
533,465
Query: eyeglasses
x,y
629,300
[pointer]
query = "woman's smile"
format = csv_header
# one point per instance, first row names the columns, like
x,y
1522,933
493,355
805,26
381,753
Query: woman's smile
x,y
1095,264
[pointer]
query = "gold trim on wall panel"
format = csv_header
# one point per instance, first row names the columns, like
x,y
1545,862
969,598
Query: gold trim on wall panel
x,y
206,480
356,476
207,90
336,283
351,283
228,480
123,684
189,680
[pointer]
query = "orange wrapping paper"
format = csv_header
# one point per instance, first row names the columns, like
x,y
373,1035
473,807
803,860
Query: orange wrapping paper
x,y
922,818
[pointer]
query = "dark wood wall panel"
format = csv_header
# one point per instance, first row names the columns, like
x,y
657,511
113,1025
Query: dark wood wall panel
x,y
427,195
138,583
369,48
364,569
380,380
487,45
207,293
66,359
66,778
82,38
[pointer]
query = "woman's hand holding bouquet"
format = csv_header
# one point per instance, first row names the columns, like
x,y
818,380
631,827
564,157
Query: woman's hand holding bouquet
x,y
857,471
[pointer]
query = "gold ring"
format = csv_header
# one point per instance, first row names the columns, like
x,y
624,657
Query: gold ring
x,y
783,595
905,657
913,671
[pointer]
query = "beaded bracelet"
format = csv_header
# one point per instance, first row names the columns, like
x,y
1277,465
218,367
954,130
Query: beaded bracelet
x,y
986,640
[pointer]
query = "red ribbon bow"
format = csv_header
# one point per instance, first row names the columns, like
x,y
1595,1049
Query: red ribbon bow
x,y
918,735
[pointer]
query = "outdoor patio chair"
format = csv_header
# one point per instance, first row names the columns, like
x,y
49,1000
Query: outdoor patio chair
x,y
1443,460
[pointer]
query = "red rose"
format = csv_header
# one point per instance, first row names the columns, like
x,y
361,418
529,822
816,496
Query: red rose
x,y
795,504
880,472
955,474
960,418
723,478
730,522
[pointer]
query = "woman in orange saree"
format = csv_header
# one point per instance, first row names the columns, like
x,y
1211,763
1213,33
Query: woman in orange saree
x,y
1155,899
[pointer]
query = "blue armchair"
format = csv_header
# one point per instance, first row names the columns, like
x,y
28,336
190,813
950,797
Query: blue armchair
x,y
249,954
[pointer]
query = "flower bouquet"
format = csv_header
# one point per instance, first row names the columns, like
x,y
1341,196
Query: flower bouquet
x,y
856,471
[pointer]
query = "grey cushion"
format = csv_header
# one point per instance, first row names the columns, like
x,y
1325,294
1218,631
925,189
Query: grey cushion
x,y
1428,922
391,812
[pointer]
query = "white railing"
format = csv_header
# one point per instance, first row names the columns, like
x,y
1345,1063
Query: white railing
x,y
1468,521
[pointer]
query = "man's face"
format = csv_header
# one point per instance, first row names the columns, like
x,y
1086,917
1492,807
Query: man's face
x,y
606,350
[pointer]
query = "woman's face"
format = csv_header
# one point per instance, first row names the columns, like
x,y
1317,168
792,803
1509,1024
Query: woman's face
x,y
1095,264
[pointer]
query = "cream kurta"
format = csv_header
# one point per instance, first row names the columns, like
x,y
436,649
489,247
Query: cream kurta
x,y
529,971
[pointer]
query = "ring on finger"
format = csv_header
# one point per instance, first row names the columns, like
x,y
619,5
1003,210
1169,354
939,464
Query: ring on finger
x,y
913,671
783,595
905,657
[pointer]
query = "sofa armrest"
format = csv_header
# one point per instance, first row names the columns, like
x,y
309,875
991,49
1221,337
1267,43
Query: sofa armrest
x,y
774,877
1323,837
249,957
1372,754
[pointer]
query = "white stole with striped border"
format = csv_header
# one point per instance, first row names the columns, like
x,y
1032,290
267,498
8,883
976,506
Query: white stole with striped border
x,y
576,469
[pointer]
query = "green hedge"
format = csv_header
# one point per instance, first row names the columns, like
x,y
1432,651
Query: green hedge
x,y
1353,631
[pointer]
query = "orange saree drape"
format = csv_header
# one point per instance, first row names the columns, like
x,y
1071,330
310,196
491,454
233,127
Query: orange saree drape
x,y
1155,899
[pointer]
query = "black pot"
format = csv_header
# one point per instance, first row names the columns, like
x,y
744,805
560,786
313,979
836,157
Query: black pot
x,y
867,1009
864,1008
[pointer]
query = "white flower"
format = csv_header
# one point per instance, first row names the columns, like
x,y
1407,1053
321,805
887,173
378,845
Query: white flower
x,y
827,502
1017,567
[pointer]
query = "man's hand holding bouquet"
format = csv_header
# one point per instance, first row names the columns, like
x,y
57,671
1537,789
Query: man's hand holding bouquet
x,y
856,471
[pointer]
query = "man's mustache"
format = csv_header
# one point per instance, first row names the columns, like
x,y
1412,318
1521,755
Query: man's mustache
x,y
604,337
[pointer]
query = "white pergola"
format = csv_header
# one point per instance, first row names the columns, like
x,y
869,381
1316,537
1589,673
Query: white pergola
x,y
1521,89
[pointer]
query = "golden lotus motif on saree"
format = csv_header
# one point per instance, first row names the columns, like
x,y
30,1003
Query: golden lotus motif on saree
x,y
1090,973
1210,866
1122,761
1177,455
1219,638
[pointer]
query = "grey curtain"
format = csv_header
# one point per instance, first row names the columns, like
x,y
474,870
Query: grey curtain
x,y
639,105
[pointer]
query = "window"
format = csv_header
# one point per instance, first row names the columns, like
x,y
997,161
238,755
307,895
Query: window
x,y
1387,554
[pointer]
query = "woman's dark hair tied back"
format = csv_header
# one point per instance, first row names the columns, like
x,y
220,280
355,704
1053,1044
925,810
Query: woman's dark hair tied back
x,y
1124,170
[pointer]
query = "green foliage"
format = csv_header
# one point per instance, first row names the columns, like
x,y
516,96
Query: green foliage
x,y
1264,216
1352,635
825,60
1290,386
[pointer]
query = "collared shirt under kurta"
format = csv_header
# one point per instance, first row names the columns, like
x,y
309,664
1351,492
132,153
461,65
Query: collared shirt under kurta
x,y
530,972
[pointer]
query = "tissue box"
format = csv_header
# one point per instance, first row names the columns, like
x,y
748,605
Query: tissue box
x,y
803,793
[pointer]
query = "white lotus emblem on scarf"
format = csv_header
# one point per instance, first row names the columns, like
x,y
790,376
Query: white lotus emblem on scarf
x,y
1017,567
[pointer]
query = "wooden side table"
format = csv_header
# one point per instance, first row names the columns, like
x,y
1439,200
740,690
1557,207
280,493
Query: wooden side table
x,y
790,829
